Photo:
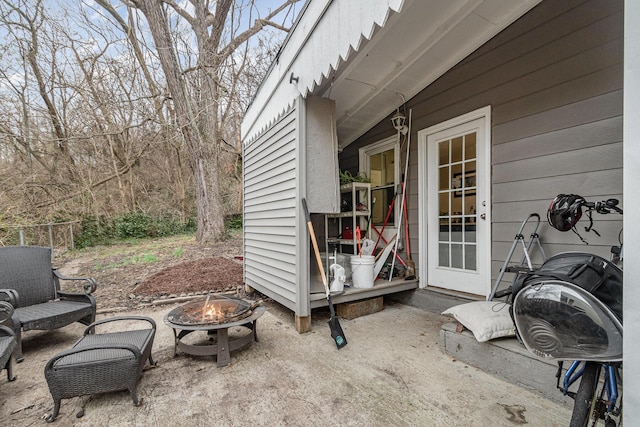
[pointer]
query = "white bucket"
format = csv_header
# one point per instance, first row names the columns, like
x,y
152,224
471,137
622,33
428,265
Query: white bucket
x,y
362,271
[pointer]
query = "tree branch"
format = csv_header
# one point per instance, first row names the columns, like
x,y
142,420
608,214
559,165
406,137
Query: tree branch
x,y
258,25
116,174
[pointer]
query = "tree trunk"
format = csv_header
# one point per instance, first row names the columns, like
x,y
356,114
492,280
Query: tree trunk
x,y
202,151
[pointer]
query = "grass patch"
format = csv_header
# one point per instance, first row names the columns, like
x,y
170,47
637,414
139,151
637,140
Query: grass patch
x,y
133,251
146,258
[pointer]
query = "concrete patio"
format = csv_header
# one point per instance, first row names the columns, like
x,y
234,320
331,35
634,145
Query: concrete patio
x,y
392,373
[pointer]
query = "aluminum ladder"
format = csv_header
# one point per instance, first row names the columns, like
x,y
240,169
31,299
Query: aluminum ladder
x,y
525,265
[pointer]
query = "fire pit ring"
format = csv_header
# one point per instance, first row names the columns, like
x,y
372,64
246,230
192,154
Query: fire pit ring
x,y
197,315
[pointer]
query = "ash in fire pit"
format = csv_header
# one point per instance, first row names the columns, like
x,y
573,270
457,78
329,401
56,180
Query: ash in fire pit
x,y
212,310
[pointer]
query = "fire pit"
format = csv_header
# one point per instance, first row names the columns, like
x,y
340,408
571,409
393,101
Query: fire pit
x,y
215,314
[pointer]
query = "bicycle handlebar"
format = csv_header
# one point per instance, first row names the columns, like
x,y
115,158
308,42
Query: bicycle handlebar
x,y
604,207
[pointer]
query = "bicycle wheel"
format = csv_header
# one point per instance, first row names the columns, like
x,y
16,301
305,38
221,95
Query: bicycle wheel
x,y
586,406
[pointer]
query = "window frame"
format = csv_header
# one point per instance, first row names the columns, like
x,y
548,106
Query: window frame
x,y
378,147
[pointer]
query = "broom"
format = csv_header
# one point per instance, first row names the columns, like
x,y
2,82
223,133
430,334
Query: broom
x,y
334,324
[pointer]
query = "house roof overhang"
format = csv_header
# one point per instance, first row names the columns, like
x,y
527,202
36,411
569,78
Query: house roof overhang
x,y
370,57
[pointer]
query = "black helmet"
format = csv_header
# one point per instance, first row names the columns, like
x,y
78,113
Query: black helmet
x,y
565,211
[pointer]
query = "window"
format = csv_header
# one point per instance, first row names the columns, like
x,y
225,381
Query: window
x,y
379,162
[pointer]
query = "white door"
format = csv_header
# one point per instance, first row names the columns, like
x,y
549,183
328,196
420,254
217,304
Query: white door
x,y
457,206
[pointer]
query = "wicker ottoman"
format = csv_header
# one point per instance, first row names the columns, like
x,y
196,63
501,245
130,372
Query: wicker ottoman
x,y
102,362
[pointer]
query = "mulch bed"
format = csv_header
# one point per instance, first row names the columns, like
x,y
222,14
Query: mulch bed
x,y
214,274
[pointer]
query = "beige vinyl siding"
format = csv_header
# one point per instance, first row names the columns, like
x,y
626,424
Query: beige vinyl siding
x,y
553,80
270,181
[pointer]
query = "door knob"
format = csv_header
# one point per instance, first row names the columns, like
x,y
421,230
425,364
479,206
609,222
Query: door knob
x,y
483,216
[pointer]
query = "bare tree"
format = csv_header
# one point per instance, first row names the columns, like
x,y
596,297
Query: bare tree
x,y
197,93
103,105
81,118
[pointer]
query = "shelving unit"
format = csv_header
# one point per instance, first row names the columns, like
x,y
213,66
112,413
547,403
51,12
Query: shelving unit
x,y
352,196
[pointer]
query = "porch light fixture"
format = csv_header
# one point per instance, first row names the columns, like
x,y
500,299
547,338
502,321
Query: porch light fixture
x,y
398,121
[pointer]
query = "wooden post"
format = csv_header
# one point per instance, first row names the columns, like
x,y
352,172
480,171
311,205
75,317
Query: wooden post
x,y
73,245
303,324
50,226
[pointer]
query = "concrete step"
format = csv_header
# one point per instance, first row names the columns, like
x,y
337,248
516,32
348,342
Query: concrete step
x,y
505,358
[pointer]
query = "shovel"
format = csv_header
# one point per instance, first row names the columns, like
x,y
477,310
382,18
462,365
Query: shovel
x,y
334,324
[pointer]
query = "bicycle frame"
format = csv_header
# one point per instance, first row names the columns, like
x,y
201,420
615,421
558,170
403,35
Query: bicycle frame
x,y
575,371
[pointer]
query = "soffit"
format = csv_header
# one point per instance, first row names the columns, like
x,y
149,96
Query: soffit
x,y
415,47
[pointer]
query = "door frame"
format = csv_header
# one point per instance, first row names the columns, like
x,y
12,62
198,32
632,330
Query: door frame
x,y
484,254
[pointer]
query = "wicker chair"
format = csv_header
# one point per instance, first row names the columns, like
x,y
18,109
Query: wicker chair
x,y
101,362
7,340
32,286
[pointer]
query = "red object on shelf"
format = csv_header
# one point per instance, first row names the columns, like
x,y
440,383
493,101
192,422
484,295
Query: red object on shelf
x,y
348,233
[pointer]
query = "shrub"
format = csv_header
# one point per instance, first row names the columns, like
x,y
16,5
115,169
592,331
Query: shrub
x,y
132,225
94,231
233,222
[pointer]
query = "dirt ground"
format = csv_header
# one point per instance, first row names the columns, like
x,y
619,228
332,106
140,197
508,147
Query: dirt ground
x,y
132,276
391,373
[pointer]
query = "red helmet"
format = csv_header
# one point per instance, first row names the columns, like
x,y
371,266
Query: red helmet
x,y
565,211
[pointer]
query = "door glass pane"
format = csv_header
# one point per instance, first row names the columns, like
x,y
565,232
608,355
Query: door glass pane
x,y
444,230
443,258
457,202
470,257
470,206
470,232
456,231
456,149
444,178
443,153
443,207
470,146
470,168
456,256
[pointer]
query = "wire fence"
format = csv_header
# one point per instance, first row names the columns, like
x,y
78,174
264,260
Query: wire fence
x,y
58,236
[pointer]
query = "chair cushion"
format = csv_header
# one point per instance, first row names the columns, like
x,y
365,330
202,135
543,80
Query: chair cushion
x,y
52,315
137,338
97,356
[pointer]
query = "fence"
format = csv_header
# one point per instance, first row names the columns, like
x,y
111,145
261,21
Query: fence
x,y
55,235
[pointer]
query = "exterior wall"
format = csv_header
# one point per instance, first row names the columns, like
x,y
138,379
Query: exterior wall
x,y
272,224
554,82
631,344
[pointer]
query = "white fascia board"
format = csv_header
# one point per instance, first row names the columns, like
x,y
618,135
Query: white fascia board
x,y
327,32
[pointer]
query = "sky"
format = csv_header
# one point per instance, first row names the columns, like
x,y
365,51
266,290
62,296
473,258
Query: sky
x,y
11,65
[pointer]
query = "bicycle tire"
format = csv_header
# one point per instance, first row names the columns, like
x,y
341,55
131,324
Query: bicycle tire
x,y
585,397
